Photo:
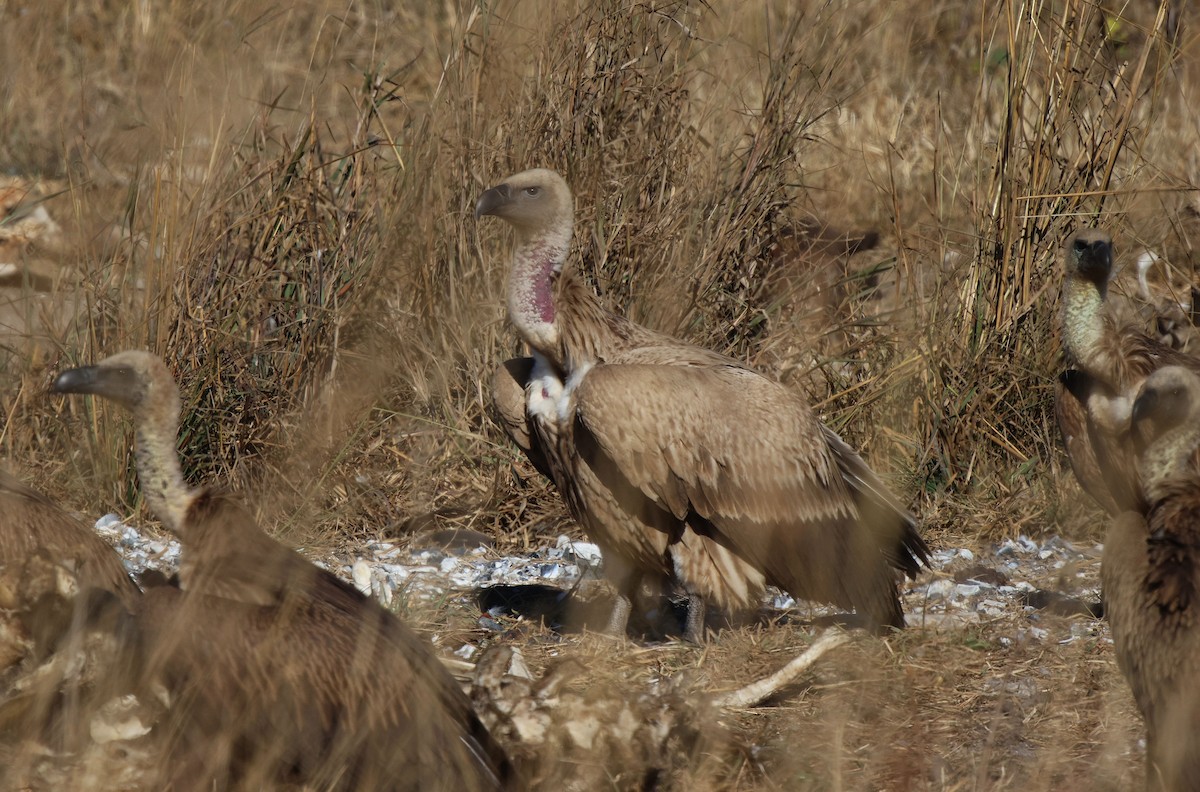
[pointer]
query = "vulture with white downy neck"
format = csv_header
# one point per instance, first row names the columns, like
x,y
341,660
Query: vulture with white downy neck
x,y
299,673
1106,362
683,464
1150,577
225,553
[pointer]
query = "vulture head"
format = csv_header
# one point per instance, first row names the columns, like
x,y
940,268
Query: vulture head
x,y
1089,254
141,383
533,201
136,380
1169,398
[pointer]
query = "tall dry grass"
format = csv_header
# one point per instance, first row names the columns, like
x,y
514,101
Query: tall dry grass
x,y
273,198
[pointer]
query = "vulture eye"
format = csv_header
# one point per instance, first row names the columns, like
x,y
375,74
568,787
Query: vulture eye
x,y
533,192
1081,245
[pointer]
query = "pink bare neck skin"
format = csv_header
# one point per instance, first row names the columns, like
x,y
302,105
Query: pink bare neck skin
x,y
536,264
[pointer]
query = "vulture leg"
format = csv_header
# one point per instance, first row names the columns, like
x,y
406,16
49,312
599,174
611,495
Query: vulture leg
x,y
508,409
625,580
693,630
619,620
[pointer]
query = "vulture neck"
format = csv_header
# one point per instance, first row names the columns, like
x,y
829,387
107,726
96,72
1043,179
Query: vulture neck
x,y
555,312
1083,326
1168,460
537,262
163,486
588,332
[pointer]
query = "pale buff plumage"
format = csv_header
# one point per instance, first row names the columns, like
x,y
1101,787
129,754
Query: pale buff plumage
x,y
1106,362
680,462
1151,578
225,554
296,672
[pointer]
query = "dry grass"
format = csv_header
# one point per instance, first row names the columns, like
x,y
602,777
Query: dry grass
x,y
278,200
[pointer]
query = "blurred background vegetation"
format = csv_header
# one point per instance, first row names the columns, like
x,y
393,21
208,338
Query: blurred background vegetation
x,y
277,199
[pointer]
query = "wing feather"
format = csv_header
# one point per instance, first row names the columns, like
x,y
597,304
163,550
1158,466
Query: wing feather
x,y
31,523
1101,456
738,445
747,464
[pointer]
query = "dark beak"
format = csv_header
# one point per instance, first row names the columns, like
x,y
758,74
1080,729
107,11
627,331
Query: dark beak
x,y
1143,406
85,379
1077,383
1095,257
118,383
492,200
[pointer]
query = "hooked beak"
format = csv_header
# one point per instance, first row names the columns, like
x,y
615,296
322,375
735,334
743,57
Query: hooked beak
x,y
118,383
84,379
1095,258
492,200
1143,406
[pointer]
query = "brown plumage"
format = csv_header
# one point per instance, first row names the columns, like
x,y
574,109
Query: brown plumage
x,y
1151,578
682,463
1106,362
294,672
508,410
47,559
31,524
45,556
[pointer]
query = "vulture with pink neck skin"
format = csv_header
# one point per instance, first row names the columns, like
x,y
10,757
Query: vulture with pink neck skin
x,y
291,674
1106,363
1151,578
682,464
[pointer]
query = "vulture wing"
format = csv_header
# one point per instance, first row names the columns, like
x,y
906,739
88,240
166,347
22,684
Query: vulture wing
x,y
1102,462
743,461
30,524
312,687
508,410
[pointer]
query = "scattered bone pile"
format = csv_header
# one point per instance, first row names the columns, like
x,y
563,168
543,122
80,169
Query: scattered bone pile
x,y
966,586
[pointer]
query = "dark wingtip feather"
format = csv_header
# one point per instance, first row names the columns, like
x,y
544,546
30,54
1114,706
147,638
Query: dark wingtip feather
x,y
914,551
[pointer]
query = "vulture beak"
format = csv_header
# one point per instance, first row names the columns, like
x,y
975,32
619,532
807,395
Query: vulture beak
x,y
119,383
492,200
1095,257
1076,383
77,380
1144,406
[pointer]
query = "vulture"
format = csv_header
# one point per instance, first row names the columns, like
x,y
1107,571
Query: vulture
x,y
1150,577
49,560
683,465
1106,362
34,529
293,674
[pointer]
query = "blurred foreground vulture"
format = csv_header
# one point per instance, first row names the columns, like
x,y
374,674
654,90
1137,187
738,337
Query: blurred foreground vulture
x,y
1151,578
36,533
1106,362
48,560
683,464
278,670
